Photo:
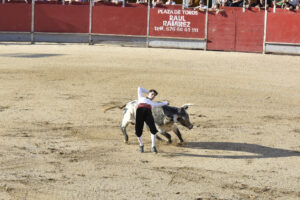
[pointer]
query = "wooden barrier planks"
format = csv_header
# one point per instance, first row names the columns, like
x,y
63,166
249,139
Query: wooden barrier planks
x,y
15,17
61,19
118,20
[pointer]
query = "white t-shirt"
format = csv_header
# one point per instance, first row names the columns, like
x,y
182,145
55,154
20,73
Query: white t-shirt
x,y
170,3
142,99
294,2
203,7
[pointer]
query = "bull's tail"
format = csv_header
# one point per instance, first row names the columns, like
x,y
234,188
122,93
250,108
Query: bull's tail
x,y
112,107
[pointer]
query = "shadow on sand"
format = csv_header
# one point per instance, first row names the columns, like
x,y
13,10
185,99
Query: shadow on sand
x,y
29,55
258,150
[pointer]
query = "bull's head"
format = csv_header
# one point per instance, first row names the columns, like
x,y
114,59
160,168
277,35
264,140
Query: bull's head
x,y
183,117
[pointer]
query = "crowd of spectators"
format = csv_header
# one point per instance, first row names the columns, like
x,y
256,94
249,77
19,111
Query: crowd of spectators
x,y
218,5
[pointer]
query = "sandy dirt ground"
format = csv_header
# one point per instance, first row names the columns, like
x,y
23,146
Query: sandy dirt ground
x,y
56,142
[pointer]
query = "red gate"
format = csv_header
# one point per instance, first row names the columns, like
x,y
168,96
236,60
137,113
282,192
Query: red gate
x,y
235,30
112,19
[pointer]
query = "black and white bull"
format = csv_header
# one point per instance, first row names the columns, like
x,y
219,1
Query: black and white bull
x,y
165,118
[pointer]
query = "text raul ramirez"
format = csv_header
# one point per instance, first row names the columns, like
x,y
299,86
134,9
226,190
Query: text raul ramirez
x,y
176,20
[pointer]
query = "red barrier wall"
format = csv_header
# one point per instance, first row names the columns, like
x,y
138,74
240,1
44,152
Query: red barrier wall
x,y
15,17
249,30
172,21
283,26
235,30
61,19
108,19
221,31
232,30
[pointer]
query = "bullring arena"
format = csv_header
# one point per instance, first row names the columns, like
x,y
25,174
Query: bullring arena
x,y
56,142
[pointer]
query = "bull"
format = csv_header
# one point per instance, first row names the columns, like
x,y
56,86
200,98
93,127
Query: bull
x,y
166,119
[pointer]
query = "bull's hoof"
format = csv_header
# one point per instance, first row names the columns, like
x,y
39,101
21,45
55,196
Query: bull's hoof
x,y
170,141
126,139
154,149
142,149
181,143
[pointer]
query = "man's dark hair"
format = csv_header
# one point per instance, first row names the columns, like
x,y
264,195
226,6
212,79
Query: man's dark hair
x,y
152,90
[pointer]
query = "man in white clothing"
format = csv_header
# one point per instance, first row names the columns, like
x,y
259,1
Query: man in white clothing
x,y
144,114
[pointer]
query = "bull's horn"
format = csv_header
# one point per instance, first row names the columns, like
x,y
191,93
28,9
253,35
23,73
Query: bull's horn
x,y
185,106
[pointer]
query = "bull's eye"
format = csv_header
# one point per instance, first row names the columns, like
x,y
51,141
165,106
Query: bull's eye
x,y
180,119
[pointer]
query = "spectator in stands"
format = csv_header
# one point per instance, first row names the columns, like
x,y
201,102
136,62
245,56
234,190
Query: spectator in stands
x,y
251,3
201,6
157,2
16,1
170,2
280,3
261,4
141,1
218,6
235,3
117,1
193,3
223,3
290,4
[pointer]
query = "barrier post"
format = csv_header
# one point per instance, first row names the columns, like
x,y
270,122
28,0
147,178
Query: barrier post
x,y
3,1
90,22
148,24
123,3
274,6
183,4
32,21
244,6
265,28
206,25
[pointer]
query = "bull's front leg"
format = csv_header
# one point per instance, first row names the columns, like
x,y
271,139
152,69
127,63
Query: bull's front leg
x,y
177,132
159,138
168,136
124,133
127,118
164,133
